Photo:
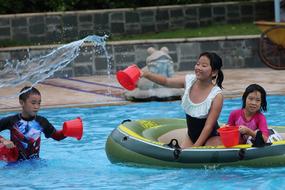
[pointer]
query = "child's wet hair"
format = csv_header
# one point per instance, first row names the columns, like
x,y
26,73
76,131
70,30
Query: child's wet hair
x,y
255,87
216,63
27,91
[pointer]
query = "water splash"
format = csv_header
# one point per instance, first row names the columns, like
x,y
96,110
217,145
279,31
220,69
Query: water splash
x,y
37,69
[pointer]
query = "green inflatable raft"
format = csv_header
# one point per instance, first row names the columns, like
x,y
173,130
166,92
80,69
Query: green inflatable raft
x,y
150,142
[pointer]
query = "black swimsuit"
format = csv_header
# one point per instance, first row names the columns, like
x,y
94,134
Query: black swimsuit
x,y
196,125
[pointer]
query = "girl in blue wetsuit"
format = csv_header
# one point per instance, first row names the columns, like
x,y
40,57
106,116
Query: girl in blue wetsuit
x,y
26,127
202,100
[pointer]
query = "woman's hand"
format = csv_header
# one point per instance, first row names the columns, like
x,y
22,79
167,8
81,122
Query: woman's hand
x,y
144,72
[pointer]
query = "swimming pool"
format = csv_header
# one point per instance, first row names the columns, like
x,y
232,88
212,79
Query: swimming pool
x,y
72,164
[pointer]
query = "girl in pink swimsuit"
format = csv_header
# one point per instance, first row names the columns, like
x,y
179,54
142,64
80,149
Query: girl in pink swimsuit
x,y
250,120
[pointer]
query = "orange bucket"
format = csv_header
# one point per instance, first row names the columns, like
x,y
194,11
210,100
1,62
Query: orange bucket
x,y
73,128
129,77
229,135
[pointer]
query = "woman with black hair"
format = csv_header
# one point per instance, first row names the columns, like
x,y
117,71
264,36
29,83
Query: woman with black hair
x,y
202,100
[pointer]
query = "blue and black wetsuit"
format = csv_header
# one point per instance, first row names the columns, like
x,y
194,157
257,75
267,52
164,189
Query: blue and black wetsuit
x,y
26,133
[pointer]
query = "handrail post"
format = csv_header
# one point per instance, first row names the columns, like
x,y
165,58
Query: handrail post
x,y
277,10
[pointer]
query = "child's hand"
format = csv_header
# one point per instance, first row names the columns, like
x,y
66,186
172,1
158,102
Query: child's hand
x,y
243,129
8,144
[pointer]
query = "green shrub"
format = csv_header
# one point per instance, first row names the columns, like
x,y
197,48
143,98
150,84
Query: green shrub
x,y
31,6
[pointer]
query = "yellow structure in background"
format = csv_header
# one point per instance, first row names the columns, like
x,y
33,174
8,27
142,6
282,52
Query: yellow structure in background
x,y
276,35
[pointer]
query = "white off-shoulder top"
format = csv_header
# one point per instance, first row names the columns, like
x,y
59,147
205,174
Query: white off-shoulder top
x,y
199,110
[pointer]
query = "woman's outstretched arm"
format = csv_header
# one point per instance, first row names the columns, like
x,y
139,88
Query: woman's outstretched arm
x,y
174,82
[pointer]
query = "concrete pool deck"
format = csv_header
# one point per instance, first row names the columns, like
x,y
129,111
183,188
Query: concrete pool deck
x,y
103,90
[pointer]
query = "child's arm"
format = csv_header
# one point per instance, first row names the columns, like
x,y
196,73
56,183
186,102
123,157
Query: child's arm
x,y
247,131
58,135
6,123
263,127
49,130
232,118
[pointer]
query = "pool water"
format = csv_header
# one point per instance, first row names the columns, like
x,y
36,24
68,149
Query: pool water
x,y
72,164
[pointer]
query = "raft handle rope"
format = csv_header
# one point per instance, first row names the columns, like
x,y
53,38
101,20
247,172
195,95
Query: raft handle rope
x,y
174,144
126,120
177,149
176,153
241,153
125,138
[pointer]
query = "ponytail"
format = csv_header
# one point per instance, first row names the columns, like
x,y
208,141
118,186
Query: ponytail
x,y
220,78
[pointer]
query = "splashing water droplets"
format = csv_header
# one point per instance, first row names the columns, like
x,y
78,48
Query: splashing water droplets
x,y
36,69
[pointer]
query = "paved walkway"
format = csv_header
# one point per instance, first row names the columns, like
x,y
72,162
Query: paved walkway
x,y
104,90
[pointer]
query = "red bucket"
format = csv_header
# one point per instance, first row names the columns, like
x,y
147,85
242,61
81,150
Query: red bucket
x,y
129,77
229,135
73,128
8,154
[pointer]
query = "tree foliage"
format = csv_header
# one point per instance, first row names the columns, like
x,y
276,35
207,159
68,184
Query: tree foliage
x,y
31,6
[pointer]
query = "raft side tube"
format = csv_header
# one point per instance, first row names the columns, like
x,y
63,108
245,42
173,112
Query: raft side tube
x,y
144,142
